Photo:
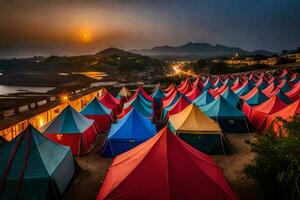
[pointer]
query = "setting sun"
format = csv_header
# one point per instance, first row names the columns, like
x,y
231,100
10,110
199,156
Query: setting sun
x,y
85,37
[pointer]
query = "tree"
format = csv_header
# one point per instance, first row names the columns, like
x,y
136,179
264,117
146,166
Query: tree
x,y
219,68
276,166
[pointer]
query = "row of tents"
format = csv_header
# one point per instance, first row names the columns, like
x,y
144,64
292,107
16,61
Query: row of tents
x,y
40,166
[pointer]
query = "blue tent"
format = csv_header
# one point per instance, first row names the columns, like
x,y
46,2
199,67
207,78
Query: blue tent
x,y
286,87
232,98
245,89
47,166
257,99
130,131
141,105
158,94
230,118
263,85
295,80
281,95
203,99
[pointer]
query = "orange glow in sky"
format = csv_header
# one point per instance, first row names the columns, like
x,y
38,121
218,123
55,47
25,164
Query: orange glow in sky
x,y
85,37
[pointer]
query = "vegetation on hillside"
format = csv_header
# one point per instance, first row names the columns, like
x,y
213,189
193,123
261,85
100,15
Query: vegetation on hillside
x,y
276,167
214,68
103,60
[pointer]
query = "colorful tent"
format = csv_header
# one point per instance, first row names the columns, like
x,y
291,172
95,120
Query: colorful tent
x,y
207,85
286,113
110,102
185,87
158,94
171,99
33,167
261,84
197,82
72,129
124,94
141,91
281,95
193,94
228,82
198,130
203,99
163,168
218,83
254,97
294,93
237,84
181,104
130,131
257,115
141,104
245,88
285,86
230,118
102,115
232,98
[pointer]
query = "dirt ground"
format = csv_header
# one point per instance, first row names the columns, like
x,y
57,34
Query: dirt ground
x,y
87,182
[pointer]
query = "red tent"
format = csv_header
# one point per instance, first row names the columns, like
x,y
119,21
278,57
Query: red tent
x,y
250,94
171,87
197,82
144,93
185,87
286,113
236,85
164,167
193,94
222,89
72,129
258,114
166,101
214,92
270,88
181,104
294,93
110,101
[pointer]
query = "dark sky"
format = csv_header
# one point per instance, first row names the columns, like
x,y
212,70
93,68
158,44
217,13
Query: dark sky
x,y
70,27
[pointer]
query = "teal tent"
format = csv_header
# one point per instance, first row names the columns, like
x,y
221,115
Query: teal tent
x,y
203,99
232,98
245,88
34,168
98,112
230,118
141,104
158,94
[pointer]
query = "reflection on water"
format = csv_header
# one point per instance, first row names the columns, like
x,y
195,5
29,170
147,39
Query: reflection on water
x,y
94,75
5,89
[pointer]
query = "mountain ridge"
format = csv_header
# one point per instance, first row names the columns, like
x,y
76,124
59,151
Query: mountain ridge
x,y
201,50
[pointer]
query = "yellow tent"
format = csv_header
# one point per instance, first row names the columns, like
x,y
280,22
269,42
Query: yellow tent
x,y
124,92
197,129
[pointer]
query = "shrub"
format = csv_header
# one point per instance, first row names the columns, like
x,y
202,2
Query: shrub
x,y
276,166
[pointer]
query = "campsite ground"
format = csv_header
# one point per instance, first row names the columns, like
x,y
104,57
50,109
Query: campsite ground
x,y
87,182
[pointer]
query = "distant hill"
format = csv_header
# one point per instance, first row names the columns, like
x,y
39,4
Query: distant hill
x,y
118,64
115,52
199,50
